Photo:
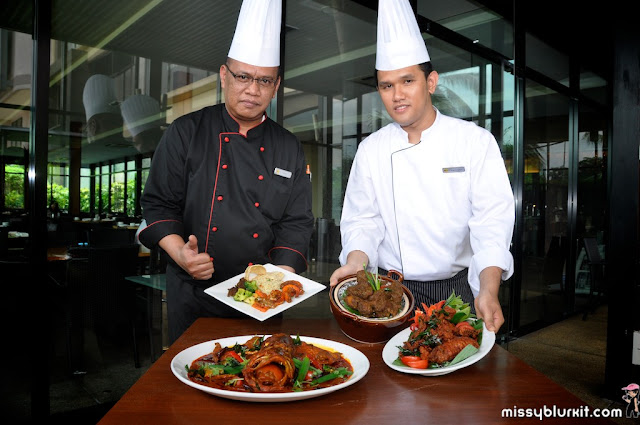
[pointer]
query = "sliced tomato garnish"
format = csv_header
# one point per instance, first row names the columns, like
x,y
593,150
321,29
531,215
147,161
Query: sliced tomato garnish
x,y
464,324
415,362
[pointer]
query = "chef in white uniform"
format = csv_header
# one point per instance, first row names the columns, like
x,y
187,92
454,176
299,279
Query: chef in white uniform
x,y
428,195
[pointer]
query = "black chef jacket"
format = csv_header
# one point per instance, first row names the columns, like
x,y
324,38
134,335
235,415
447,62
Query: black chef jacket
x,y
246,199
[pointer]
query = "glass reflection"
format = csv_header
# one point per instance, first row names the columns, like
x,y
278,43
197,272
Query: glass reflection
x,y
545,197
592,196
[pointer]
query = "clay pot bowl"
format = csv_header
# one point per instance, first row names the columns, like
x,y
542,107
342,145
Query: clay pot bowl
x,y
366,329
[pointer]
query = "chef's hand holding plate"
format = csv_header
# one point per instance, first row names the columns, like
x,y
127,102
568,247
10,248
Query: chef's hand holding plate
x,y
355,262
487,303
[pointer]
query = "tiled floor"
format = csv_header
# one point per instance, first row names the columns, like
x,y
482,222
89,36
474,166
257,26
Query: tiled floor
x,y
562,351
572,353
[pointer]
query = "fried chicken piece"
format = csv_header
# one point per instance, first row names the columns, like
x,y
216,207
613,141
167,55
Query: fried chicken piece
x,y
445,330
450,349
468,332
425,351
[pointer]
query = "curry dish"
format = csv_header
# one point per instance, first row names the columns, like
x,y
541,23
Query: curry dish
x,y
371,297
278,363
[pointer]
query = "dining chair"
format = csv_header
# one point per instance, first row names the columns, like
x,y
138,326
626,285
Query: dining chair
x,y
597,276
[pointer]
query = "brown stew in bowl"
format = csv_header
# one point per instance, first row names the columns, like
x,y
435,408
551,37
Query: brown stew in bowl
x,y
374,297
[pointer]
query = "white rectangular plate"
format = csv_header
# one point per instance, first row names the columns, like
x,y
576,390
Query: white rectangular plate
x,y
219,292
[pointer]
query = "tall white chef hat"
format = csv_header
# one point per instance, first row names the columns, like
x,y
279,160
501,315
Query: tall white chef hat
x,y
99,96
140,112
257,37
400,43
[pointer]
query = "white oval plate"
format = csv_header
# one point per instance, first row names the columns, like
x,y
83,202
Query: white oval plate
x,y
390,354
358,360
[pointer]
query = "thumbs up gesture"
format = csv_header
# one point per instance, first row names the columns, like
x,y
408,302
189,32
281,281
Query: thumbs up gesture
x,y
198,265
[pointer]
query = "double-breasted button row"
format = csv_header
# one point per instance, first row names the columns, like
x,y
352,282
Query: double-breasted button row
x,y
220,197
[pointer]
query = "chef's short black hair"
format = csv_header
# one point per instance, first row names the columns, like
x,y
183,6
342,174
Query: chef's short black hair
x,y
426,67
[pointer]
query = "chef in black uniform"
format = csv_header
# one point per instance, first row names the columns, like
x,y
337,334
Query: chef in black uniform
x,y
227,186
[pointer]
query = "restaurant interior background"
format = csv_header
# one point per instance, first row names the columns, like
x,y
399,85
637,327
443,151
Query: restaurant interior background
x,y
546,88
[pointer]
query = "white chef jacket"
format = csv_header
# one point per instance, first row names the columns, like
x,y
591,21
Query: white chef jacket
x,y
433,208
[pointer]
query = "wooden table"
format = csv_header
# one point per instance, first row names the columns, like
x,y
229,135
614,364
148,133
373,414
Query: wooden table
x,y
474,395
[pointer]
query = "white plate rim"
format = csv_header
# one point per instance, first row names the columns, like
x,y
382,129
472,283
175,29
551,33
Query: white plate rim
x,y
219,292
358,360
390,354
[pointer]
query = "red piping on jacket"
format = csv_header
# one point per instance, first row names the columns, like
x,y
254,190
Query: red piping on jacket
x,y
215,186
155,222
290,249
215,183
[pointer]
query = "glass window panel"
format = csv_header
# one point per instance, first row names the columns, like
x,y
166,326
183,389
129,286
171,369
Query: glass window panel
x,y
85,190
131,194
472,20
546,60
594,87
117,193
592,194
58,186
104,194
350,117
374,114
14,178
15,91
545,202
458,93
507,91
145,175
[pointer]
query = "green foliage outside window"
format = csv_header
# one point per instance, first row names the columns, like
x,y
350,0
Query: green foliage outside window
x,y
60,194
14,194
14,186
117,197
131,198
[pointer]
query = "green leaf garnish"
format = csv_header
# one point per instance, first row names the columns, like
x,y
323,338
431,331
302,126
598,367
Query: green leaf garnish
x,y
374,281
464,354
